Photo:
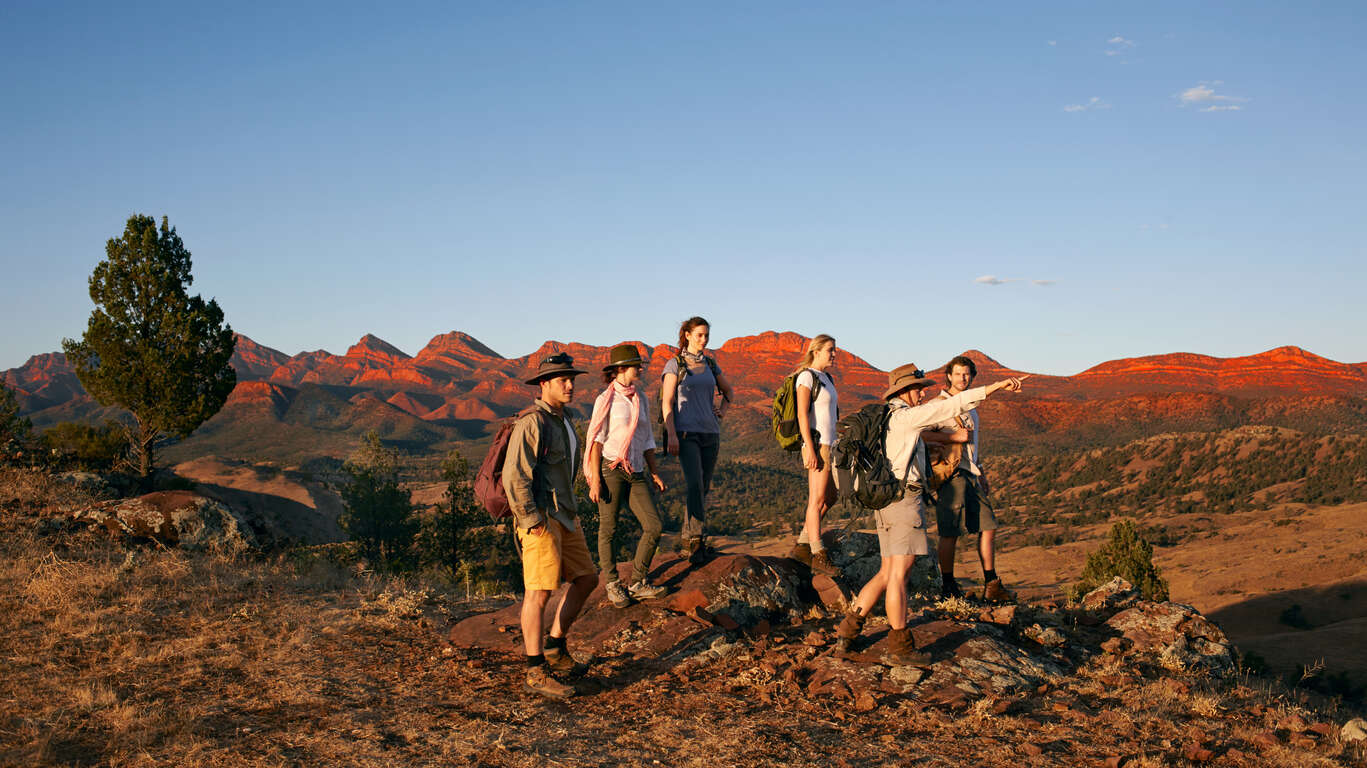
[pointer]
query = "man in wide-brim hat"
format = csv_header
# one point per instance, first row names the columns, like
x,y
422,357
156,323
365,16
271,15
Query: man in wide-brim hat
x,y
538,477
902,524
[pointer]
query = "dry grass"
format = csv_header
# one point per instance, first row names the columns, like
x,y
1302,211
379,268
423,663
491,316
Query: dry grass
x,y
164,658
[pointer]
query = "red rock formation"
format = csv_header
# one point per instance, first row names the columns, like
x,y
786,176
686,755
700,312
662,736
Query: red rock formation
x,y
255,361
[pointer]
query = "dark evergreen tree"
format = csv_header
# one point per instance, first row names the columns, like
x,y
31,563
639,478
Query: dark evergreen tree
x,y
462,540
379,514
149,346
1125,554
14,429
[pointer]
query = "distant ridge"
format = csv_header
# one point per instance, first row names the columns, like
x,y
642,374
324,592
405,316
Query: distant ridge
x,y
455,386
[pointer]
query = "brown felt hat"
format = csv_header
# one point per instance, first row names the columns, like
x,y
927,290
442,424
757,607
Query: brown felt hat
x,y
904,377
624,355
559,364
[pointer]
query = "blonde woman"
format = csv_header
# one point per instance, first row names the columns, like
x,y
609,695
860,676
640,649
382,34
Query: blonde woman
x,y
620,466
818,407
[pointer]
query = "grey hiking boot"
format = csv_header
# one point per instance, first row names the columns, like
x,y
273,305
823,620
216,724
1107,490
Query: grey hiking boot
x,y
848,631
644,590
995,592
821,563
900,651
540,682
617,594
802,552
562,662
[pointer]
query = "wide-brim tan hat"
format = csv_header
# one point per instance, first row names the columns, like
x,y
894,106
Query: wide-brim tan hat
x,y
905,377
624,355
559,364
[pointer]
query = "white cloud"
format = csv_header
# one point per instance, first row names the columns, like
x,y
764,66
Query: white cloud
x,y
994,280
1118,45
1093,103
1053,42
1203,94
1043,282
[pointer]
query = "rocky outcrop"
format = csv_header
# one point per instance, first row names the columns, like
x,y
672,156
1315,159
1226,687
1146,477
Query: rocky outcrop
x,y
1177,636
174,518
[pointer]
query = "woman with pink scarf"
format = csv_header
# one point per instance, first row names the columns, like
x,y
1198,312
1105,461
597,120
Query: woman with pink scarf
x,y
621,447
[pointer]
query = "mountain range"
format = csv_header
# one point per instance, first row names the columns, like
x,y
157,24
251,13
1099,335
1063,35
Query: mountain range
x,y
455,387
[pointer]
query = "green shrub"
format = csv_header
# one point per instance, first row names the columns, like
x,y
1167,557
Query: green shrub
x,y
461,539
1125,554
88,447
379,514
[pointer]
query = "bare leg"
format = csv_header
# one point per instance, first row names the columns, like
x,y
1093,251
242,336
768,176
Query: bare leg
x,y
820,488
533,621
986,551
870,592
571,603
896,602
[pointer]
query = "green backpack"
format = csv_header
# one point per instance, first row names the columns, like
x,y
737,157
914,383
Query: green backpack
x,y
786,430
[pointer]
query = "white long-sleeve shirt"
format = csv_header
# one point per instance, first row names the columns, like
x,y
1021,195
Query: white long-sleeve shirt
x,y
906,452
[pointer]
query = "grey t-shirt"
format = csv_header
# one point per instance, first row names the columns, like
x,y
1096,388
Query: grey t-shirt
x,y
696,393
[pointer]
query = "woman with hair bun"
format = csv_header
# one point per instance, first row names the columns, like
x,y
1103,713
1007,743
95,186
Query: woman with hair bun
x,y
692,417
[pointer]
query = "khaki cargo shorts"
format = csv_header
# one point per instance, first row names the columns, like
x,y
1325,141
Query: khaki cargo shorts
x,y
902,526
553,554
959,509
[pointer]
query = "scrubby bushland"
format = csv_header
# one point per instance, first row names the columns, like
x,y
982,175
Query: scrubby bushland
x,y
88,447
379,514
461,539
1125,554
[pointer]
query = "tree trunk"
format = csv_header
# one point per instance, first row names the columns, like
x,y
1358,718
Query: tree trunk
x,y
143,447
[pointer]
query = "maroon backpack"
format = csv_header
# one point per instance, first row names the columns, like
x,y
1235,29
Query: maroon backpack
x,y
489,479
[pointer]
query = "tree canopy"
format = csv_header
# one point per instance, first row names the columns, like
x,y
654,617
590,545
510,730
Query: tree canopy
x,y
150,347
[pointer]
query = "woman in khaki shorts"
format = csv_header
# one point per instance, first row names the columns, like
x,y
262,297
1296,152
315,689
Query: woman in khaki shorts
x,y
902,524
817,412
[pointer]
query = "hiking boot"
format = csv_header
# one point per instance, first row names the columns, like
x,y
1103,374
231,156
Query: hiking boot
x,y
617,594
699,551
950,589
562,662
540,682
901,653
644,590
802,552
994,592
848,631
821,563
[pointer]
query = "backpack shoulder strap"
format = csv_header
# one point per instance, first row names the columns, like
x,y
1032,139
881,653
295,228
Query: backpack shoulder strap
x,y
534,410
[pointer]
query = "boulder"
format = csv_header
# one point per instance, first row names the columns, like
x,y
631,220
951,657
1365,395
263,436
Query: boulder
x,y
1178,635
174,518
855,553
1354,730
1110,598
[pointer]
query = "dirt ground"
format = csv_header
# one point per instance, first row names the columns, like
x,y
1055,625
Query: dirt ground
x,y
137,656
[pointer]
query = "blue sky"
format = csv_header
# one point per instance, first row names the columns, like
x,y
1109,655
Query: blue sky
x,y
1188,177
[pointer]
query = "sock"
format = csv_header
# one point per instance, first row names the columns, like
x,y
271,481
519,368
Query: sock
x,y
555,642
538,660
989,576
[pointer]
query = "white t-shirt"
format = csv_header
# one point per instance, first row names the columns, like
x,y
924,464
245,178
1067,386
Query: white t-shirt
x,y
825,407
619,419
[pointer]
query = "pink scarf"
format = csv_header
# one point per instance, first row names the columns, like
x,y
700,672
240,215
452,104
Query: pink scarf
x,y
602,408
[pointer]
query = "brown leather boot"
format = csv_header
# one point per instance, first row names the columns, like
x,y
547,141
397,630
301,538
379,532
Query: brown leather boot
x,y
848,631
901,652
802,553
821,563
995,592
539,681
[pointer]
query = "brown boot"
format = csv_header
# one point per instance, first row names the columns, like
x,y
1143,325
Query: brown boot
x,y
994,592
901,652
802,553
848,631
539,681
561,662
821,563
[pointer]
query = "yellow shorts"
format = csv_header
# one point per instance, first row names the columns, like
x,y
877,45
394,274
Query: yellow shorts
x,y
554,554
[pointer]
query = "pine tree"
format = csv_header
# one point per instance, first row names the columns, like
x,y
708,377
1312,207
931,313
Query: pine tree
x,y
13,427
1125,554
379,514
149,346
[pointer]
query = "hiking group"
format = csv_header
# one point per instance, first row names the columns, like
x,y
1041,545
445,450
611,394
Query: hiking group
x,y
877,457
